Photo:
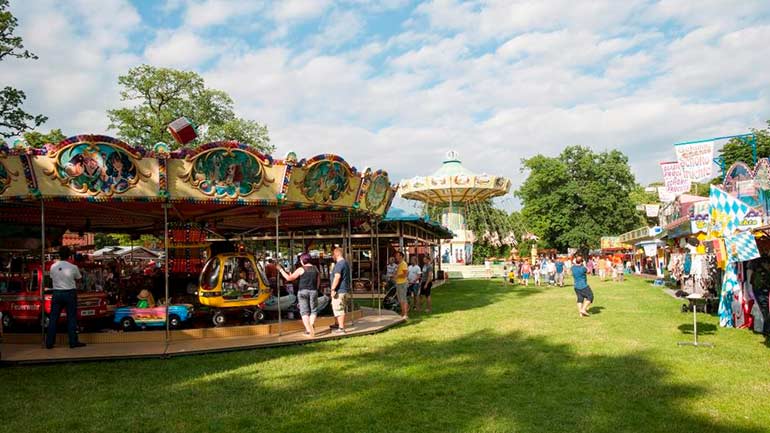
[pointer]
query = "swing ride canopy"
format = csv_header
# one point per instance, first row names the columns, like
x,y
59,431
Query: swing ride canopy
x,y
99,183
453,183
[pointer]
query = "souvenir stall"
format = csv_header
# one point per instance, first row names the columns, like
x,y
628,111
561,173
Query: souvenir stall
x,y
690,265
737,235
94,183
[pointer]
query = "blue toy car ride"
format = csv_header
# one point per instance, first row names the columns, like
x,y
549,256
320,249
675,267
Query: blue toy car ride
x,y
128,318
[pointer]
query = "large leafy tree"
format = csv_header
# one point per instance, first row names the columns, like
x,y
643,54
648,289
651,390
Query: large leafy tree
x,y
161,95
37,139
575,198
13,119
740,150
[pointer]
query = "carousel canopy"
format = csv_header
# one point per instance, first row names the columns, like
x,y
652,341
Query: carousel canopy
x,y
99,183
400,215
453,183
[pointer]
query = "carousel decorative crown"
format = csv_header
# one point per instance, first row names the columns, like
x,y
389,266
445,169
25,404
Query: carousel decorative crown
x,y
453,155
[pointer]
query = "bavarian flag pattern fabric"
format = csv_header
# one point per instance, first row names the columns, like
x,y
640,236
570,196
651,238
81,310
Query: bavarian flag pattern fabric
x,y
729,285
741,247
726,212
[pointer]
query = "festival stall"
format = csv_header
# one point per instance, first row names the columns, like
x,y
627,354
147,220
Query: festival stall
x,y
738,237
689,263
227,190
649,250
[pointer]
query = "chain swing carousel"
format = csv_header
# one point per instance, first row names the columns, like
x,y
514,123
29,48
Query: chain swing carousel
x,y
452,189
227,190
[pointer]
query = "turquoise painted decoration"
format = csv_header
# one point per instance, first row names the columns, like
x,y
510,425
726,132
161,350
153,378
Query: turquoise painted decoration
x,y
226,173
378,191
326,181
95,168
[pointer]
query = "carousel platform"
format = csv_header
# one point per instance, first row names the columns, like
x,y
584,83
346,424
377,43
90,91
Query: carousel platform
x,y
27,349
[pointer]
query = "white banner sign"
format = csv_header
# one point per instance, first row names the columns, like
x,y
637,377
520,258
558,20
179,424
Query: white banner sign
x,y
664,196
696,159
674,178
652,210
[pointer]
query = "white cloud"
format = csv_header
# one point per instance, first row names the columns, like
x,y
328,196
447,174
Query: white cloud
x,y
200,14
496,80
180,49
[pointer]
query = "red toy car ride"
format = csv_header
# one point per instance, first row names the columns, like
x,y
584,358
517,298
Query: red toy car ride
x,y
20,301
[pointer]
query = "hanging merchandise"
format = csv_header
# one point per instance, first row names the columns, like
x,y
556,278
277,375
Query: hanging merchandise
x,y
738,299
741,247
729,285
717,248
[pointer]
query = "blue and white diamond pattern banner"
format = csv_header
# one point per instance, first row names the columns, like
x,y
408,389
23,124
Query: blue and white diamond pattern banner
x,y
741,248
726,212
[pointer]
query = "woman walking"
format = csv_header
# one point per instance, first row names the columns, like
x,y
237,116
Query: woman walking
x,y
309,281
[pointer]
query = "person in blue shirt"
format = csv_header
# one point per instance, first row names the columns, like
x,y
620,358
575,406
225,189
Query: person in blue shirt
x,y
340,288
560,273
585,296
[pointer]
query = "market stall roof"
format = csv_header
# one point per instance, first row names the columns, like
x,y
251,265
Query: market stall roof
x,y
119,251
401,215
99,183
453,183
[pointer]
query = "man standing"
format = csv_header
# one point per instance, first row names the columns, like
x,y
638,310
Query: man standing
x,y
559,266
401,284
413,275
340,289
426,284
585,295
64,276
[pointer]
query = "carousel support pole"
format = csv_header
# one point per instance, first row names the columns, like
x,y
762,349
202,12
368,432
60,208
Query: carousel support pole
x,y
165,271
371,258
350,271
377,261
278,276
42,269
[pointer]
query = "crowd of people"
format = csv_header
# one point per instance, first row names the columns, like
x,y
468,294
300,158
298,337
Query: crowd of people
x,y
412,281
550,271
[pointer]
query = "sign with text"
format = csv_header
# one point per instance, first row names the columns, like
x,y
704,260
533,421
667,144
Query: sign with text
x,y
674,178
696,159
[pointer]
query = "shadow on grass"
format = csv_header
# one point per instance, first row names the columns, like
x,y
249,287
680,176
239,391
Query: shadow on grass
x,y
480,382
595,310
703,328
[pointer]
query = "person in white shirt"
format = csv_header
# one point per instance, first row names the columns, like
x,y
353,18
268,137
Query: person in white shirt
x,y
64,277
413,275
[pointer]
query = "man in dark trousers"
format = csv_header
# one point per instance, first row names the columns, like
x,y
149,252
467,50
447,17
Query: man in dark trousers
x,y
64,277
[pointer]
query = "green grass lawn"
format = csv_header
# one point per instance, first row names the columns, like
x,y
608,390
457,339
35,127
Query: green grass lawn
x,y
489,359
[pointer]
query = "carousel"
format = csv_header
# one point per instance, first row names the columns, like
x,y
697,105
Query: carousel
x,y
222,190
452,189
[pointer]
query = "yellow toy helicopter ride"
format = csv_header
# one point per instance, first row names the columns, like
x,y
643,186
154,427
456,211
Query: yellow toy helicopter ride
x,y
232,283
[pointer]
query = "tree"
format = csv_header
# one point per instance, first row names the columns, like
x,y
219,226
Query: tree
x,y
13,119
740,150
162,95
37,139
574,199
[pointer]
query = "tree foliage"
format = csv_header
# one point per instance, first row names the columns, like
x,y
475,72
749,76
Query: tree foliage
x,y
575,198
740,150
162,95
13,119
37,139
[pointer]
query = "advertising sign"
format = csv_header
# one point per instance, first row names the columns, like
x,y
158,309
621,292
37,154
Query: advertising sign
x,y
674,178
696,159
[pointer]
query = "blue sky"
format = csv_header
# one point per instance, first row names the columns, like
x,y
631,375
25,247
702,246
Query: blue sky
x,y
394,84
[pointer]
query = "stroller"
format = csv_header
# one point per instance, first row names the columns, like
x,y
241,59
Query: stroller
x,y
390,300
